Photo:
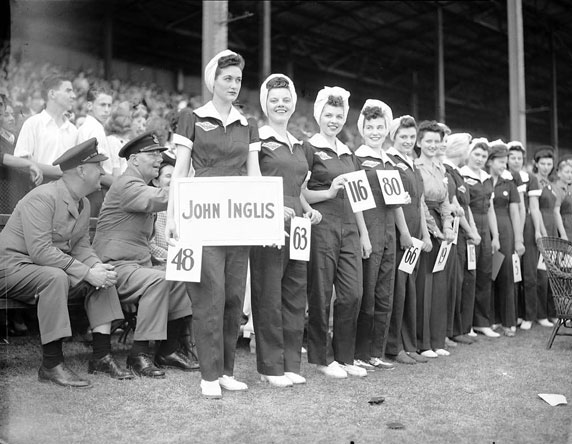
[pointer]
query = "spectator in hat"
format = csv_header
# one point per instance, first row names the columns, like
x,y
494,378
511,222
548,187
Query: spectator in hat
x,y
46,258
122,238
47,135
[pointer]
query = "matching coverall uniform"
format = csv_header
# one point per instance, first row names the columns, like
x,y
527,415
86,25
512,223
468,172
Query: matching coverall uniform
x,y
218,150
278,283
335,258
379,269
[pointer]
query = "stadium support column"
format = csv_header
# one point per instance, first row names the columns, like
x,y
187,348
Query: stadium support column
x,y
215,34
440,65
554,104
265,60
108,43
516,71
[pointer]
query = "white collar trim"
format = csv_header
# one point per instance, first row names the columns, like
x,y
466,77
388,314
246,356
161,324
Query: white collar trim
x,y
209,110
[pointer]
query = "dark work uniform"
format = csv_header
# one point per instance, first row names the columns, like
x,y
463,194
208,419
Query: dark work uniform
x,y
403,325
526,290
477,283
218,151
278,283
335,259
565,192
546,202
505,194
457,300
379,268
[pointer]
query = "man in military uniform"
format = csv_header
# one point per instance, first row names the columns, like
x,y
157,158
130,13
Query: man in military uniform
x,y
124,230
45,257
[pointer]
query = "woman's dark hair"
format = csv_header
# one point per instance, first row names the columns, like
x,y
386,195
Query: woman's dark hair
x,y
429,126
407,122
229,60
480,146
277,82
118,123
544,152
335,101
372,112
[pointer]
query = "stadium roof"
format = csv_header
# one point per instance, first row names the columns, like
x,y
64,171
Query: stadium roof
x,y
377,49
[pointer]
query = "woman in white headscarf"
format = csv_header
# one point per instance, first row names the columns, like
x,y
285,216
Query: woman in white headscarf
x,y
338,243
221,142
279,283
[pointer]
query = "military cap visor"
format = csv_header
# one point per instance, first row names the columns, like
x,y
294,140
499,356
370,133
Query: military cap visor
x,y
145,142
85,152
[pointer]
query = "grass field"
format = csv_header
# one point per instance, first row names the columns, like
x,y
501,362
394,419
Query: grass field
x,y
483,393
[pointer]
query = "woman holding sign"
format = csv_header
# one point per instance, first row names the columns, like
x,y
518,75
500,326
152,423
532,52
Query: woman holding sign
x,y
432,287
552,222
402,336
379,268
338,243
506,201
223,143
278,282
477,283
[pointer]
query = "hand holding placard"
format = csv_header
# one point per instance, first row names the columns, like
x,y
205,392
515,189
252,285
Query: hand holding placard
x,y
392,187
411,256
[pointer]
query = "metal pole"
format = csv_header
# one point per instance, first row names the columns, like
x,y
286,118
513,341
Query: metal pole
x,y
554,108
215,35
415,94
440,63
108,44
265,57
516,71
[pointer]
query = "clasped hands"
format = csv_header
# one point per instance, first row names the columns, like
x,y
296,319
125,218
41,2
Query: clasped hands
x,y
102,276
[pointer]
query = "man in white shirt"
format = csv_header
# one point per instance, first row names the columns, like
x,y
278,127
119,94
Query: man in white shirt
x,y
46,136
99,102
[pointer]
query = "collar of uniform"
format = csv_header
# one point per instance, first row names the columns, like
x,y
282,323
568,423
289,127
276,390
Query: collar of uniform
x,y
266,132
563,185
133,171
209,110
430,163
408,160
524,176
543,182
481,177
320,142
46,118
66,195
506,175
451,164
367,151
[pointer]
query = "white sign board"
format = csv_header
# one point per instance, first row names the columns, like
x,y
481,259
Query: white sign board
x,y
471,257
391,187
230,210
184,262
358,191
300,230
516,268
411,256
442,256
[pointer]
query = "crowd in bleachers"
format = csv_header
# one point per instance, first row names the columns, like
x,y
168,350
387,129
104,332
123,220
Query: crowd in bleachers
x,y
462,195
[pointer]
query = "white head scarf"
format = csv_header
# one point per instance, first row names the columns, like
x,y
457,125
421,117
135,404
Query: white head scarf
x,y
372,103
211,67
395,124
322,99
516,144
264,91
457,145
478,140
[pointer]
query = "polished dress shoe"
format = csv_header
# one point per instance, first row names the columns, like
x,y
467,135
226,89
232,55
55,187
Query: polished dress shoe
x,y
142,365
404,358
176,360
193,357
62,375
463,339
108,365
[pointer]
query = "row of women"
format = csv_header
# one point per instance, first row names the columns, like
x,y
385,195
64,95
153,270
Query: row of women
x,y
381,315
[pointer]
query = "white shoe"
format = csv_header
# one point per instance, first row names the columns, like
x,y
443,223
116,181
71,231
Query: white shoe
x,y
442,352
545,323
211,389
354,370
333,370
295,378
304,350
380,363
495,326
363,364
277,381
231,384
526,325
472,333
487,331
429,354
519,321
